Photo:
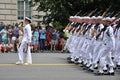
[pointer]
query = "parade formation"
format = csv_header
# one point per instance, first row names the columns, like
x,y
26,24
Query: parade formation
x,y
94,42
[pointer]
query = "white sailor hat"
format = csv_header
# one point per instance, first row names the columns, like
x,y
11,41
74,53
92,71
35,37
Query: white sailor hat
x,y
107,19
93,17
99,17
75,16
113,18
86,17
71,16
80,17
27,18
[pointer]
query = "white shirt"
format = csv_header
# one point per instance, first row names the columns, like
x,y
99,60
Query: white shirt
x,y
27,36
110,37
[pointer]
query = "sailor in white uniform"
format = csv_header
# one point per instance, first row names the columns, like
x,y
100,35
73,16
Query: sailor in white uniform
x,y
25,44
108,46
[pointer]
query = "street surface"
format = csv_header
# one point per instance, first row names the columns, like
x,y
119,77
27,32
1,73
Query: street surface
x,y
46,66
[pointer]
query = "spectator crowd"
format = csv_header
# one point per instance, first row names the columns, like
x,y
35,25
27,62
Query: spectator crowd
x,y
43,38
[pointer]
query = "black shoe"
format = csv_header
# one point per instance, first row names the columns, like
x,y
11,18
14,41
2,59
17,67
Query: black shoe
x,y
118,65
81,65
76,61
112,74
95,67
90,70
105,70
99,74
63,51
71,62
69,58
114,68
85,68
89,66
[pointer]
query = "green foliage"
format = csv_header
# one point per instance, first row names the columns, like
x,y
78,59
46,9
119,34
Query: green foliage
x,y
57,25
61,10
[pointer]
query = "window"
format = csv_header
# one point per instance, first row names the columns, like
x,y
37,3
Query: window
x,y
28,10
24,9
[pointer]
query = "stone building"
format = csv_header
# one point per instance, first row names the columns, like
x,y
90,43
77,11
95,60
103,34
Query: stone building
x,y
12,11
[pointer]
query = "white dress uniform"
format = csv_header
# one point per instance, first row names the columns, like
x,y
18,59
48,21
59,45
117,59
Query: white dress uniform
x,y
25,46
90,46
85,44
117,53
97,47
108,45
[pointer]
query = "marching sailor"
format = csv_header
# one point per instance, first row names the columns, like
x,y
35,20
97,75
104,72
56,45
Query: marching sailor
x,y
25,44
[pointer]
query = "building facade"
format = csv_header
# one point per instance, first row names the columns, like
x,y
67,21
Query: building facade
x,y
12,11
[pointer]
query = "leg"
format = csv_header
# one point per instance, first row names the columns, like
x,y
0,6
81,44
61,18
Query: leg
x,y
29,58
20,53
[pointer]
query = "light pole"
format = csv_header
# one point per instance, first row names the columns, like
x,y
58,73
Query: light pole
x,y
24,8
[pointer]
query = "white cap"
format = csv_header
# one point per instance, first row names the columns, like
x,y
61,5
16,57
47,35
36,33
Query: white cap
x,y
80,17
107,19
99,17
93,17
86,17
71,16
27,18
75,16
113,18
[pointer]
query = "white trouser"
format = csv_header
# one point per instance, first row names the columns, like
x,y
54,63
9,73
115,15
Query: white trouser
x,y
106,56
117,52
74,46
83,49
97,52
24,46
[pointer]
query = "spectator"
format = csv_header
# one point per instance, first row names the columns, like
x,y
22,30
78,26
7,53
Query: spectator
x,y
42,36
61,43
48,40
53,36
66,35
20,24
20,33
4,33
35,39
9,47
10,33
14,33
1,25
2,47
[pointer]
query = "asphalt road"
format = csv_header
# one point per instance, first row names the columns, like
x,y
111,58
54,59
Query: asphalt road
x,y
46,66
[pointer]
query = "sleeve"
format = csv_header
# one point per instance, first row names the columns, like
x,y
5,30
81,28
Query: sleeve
x,y
1,31
112,37
29,33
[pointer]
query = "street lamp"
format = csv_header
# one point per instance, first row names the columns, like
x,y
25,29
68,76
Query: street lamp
x,y
25,7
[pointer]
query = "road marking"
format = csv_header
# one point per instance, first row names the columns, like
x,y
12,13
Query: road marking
x,y
38,65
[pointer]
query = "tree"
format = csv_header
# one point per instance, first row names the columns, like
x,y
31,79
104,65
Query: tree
x,y
61,10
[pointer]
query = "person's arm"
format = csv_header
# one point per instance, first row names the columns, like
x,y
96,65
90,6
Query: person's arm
x,y
29,33
1,31
112,37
